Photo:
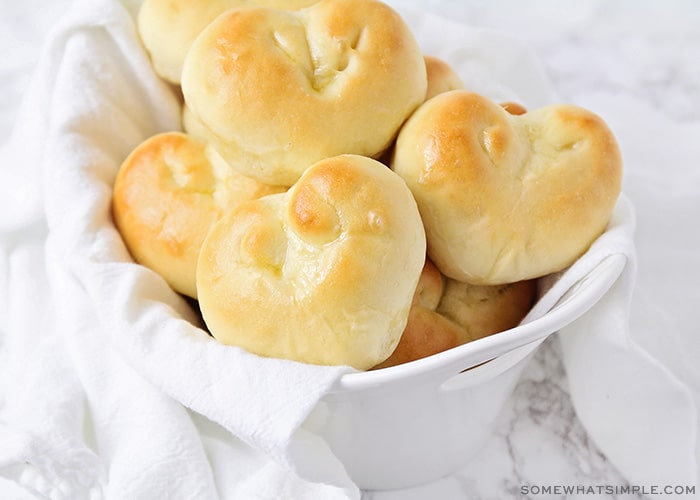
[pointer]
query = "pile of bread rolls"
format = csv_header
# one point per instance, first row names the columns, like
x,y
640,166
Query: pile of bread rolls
x,y
336,197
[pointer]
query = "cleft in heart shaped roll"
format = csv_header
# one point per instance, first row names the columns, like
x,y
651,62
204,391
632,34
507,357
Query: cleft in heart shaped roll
x,y
277,90
323,274
507,197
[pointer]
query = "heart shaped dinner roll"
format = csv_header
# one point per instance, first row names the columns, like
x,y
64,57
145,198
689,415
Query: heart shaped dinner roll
x,y
168,27
167,194
280,90
506,197
323,274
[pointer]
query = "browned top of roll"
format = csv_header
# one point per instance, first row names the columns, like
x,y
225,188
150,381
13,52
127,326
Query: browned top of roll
x,y
167,194
280,90
507,197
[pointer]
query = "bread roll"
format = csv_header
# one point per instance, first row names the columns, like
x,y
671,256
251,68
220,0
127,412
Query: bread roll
x,y
446,313
427,332
441,77
280,90
168,27
506,198
482,310
167,194
322,274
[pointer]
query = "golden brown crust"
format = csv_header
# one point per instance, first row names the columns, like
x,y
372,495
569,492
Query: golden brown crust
x,y
446,313
441,77
322,274
514,108
168,27
505,197
430,287
280,90
167,194
426,332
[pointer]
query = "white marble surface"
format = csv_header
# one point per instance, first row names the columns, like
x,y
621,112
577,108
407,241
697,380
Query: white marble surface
x,y
609,56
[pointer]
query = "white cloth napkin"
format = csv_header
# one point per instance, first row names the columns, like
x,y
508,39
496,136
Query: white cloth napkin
x,y
638,413
108,388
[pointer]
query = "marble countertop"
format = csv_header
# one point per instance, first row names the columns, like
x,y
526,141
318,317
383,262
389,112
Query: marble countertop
x,y
611,57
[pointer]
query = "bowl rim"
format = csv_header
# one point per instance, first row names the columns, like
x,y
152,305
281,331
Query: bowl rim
x,y
578,299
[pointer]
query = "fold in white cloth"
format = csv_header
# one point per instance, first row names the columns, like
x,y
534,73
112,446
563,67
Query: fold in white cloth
x,y
109,390
638,413
120,354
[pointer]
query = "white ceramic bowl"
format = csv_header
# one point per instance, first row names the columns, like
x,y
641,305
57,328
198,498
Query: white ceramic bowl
x,y
414,423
